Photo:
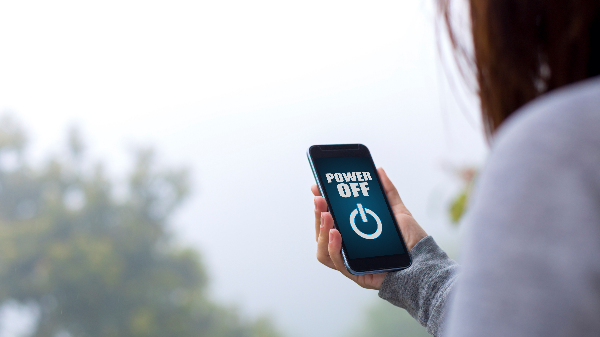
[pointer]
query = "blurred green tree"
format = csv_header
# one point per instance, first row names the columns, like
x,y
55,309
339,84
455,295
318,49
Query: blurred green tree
x,y
94,257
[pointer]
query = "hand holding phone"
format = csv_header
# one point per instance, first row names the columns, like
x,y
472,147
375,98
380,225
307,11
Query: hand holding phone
x,y
329,250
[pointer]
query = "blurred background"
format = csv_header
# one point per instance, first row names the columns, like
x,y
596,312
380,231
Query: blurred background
x,y
153,175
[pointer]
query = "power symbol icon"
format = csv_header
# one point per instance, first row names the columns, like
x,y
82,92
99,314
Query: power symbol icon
x,y
363,216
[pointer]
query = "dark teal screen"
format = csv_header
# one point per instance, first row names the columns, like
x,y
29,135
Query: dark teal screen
x,y
353,191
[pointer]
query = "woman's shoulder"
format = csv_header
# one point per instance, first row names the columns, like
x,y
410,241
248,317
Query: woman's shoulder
x,y
533,243
546,155
560,126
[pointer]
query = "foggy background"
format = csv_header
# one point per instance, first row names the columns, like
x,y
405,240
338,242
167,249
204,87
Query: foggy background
x,y
237,91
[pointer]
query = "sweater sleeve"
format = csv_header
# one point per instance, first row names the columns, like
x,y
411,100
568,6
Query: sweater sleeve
x,y
424,287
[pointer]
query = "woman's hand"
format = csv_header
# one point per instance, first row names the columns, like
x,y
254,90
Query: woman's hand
x,y
329,240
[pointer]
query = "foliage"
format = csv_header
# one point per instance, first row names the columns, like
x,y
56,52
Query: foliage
x,y
95,257
458,205
383,319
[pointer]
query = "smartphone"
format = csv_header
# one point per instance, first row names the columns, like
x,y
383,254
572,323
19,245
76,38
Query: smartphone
x,y
371,238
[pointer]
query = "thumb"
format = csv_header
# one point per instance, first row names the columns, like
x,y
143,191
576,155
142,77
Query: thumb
x,y
392,193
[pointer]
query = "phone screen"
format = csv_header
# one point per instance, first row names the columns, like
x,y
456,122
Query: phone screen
x,y
357,204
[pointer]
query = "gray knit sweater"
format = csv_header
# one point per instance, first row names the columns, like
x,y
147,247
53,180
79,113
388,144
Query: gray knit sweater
x,y
530,264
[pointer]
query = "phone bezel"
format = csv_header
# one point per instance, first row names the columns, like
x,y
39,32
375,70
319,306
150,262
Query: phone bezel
x,y
368,265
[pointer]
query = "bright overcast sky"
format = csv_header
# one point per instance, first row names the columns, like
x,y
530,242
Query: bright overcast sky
x,y
237,90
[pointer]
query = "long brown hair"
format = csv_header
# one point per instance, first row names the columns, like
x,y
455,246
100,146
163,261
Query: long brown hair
x,y
525,48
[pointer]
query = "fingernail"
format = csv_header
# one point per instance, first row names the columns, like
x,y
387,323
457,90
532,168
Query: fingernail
x,y
330,236
322,226
315,200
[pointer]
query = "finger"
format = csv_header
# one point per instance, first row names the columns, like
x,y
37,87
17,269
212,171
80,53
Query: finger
x,y
315,190
317,225
391,192
335,253
323,240
320,206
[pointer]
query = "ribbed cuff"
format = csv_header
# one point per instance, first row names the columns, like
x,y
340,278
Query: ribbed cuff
x,y
423,288
389,287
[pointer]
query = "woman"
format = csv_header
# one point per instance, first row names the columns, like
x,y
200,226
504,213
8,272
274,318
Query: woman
x,y
531,259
